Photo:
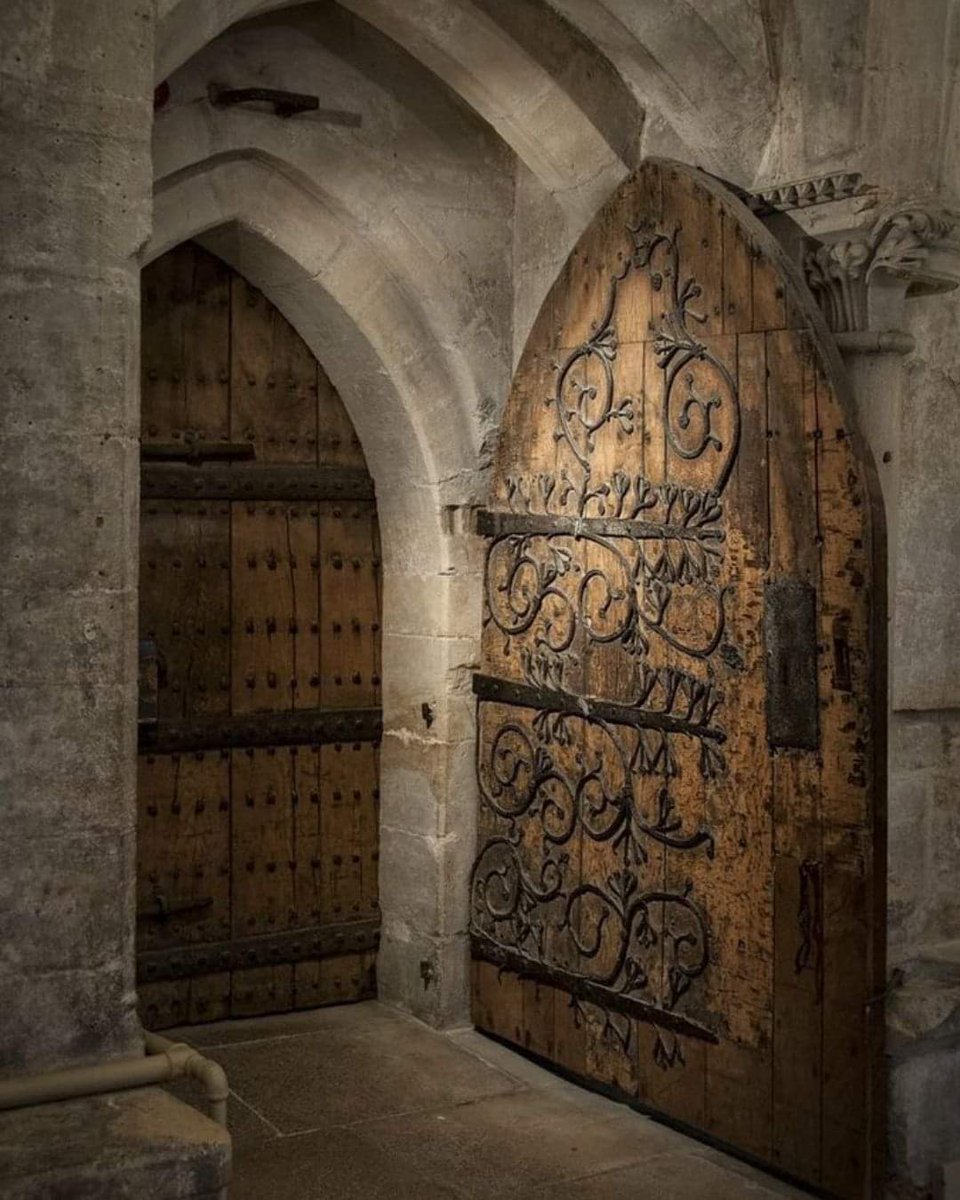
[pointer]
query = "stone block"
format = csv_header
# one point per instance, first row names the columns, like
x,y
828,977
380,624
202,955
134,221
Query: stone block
x,y
453,959
65,1018
66,900
422,605
428,786
458,815
125,1145
410,880
921,740
86,487
67,757
76,199
411,772
410,519
923,1041
907,846
432,671
71,638
408,971
926,638
69,359
457,853
101,48
943,901
924,1115
425,976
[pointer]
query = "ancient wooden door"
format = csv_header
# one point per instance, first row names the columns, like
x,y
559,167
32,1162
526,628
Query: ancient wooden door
x,y
679,887
260,657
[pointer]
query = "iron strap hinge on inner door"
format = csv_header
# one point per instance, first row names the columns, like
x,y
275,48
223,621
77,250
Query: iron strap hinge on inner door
x,y
304,726
264,950
252,481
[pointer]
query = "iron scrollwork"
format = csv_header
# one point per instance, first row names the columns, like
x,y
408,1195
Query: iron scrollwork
x,y
559,783
697,386
580,881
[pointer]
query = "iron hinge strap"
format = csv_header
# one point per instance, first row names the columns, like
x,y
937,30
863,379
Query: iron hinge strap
x,y
297,727
296,945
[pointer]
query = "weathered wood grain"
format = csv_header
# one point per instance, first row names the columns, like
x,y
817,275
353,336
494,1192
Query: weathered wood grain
x,y
250,618
678,378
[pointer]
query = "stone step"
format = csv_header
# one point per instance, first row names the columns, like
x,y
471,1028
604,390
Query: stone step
x,y
125,1145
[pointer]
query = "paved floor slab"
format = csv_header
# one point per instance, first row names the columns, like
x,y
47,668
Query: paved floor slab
x,y
363,1101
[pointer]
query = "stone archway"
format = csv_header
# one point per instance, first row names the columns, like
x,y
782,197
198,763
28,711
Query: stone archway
x,y
430,576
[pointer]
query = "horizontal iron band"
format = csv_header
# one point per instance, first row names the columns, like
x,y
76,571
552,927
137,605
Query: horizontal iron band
x,y
523,695
256,481
487,950
502,524
196,452
315,726
265,950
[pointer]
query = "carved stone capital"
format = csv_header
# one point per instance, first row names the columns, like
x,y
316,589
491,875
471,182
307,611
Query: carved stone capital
x,y
862,281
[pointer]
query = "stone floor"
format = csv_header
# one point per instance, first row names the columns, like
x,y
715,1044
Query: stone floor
x,y
362,1101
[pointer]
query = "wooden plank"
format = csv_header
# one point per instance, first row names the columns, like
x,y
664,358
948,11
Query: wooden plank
x,y
742,889
769,294
264,784
340,980
695,210
185,346
261,990
737,276
349,590
277,638
498,1002
538,1001
798,1018
341,843
183,849
163,1005
210,998
337,818
273,380
337,444
693,397
234,607
253,481
672,1075
185,605
795,559
853,944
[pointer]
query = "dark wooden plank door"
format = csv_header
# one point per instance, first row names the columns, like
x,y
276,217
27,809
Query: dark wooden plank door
x,y
679,887
260,639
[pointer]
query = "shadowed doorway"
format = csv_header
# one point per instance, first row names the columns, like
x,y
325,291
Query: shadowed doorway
x,y
258,788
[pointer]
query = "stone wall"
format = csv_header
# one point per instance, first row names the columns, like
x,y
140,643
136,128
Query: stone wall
x,y
75,121
412,255
925,640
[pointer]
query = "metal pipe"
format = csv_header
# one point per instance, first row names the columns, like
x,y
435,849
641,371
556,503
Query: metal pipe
x,y
163,1062
188,1061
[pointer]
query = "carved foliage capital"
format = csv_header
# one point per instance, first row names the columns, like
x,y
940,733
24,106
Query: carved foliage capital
x,y
917,246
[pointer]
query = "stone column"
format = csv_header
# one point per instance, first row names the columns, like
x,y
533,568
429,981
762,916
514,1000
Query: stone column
x,y
428,774
863,278
870,265
75,197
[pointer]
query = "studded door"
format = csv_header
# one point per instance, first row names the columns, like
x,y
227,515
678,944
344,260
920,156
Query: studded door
x,y
260,657
679,887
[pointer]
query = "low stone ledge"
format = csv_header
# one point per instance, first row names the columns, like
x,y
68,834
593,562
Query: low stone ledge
x,y
125,1145
923,1046
924,1002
